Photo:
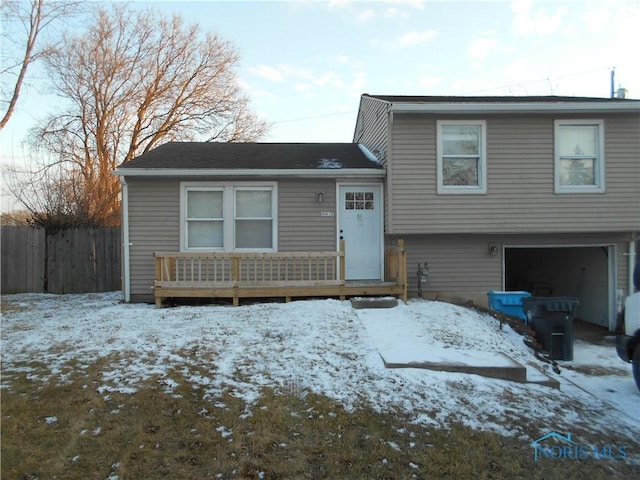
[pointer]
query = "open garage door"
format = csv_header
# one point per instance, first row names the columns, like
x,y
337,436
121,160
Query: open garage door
x,y
585,273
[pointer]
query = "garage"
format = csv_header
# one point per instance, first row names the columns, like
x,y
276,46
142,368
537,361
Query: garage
x,y
583,272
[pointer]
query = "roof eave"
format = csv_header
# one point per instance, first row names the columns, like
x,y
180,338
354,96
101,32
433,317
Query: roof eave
x,y
533,107
210,172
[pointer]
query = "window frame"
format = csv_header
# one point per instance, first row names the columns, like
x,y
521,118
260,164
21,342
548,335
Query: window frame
x,y
599,169
236,218
186,219
229,213
479,189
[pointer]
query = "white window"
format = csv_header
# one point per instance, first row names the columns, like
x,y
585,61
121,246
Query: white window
x,y
579,156
253,218
228,217
204,218
462,156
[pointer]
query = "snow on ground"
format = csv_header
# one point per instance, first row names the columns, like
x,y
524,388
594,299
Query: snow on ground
x,y
322,346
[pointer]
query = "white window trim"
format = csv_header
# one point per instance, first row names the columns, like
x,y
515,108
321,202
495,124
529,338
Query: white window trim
x,y
599,187
481,188
228,229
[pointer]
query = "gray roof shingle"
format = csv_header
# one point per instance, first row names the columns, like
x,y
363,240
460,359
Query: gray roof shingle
x,y
243,156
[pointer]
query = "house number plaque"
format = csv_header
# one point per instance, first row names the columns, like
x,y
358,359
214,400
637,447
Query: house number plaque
x,y
327,214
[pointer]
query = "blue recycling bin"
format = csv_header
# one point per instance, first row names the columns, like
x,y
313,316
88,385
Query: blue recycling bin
x,y
508,302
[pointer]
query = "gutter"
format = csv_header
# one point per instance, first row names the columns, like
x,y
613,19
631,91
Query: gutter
x,y
528,107
230,172
126,274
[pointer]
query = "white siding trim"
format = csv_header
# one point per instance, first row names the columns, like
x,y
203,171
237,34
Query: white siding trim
x,y
212,172
532,107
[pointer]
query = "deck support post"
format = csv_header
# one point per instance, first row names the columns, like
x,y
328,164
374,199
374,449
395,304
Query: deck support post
x,y
343,262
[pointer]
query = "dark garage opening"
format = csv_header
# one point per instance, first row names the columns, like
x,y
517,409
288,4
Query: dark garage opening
x,y
578,272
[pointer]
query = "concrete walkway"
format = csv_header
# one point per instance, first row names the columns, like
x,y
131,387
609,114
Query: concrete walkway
x,y
408,344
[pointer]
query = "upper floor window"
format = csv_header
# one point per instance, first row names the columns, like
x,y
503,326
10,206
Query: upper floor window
x,y
579,156
462,156
228,217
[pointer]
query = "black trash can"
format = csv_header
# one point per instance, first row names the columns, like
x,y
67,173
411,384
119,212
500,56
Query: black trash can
x,y
552,320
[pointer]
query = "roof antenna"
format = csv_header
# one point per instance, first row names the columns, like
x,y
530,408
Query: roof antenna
x,y
613,81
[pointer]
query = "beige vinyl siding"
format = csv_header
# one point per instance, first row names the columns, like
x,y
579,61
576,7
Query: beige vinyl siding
x,y
520,181
461,268
154,222
153,226
300,224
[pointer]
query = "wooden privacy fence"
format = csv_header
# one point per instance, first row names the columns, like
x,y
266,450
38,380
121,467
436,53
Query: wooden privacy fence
x,y
69,261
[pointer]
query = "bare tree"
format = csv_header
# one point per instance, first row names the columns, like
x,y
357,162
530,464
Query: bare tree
x,y
134,80
20,218
34,17
52,195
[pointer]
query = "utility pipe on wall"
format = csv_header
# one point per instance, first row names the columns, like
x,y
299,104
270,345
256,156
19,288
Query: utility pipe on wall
x,y
632,263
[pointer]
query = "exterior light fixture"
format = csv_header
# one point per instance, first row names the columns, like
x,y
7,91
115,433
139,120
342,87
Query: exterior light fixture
x,y
493,250
320,197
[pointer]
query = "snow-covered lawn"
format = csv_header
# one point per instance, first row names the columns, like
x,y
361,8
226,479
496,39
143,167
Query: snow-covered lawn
x,y
322,346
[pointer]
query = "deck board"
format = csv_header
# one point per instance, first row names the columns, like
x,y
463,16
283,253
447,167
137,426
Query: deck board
x,y
349,289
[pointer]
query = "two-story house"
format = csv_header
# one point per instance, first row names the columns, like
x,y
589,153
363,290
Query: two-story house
x,y
511,193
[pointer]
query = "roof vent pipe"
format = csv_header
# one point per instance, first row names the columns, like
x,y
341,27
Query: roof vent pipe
x,y
621,93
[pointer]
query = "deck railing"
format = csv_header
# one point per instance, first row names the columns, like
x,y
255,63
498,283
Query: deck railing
x,y
271,274
230,269
395,265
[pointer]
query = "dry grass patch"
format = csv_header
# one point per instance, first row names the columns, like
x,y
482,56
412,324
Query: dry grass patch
x,y
70,427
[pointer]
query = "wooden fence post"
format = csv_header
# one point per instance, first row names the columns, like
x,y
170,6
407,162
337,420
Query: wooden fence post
x,y
402,269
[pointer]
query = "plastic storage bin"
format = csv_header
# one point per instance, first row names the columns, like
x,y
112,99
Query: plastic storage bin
x,y
552,320
508,302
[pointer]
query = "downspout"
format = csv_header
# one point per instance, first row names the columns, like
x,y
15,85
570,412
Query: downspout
x,y
126,290
632,262
388,205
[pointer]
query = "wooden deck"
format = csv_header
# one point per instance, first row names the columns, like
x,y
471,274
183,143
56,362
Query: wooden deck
x,y
267,275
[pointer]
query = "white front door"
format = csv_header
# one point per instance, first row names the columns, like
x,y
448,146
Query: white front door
x,y
360,226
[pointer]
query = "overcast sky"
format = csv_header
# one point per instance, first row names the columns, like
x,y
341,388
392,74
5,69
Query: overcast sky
x,y
305,64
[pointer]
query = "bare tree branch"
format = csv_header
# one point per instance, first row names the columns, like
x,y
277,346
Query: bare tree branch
x,y
35,19
134,80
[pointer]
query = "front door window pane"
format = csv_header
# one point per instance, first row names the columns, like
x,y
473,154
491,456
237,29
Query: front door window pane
x,y
358,201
